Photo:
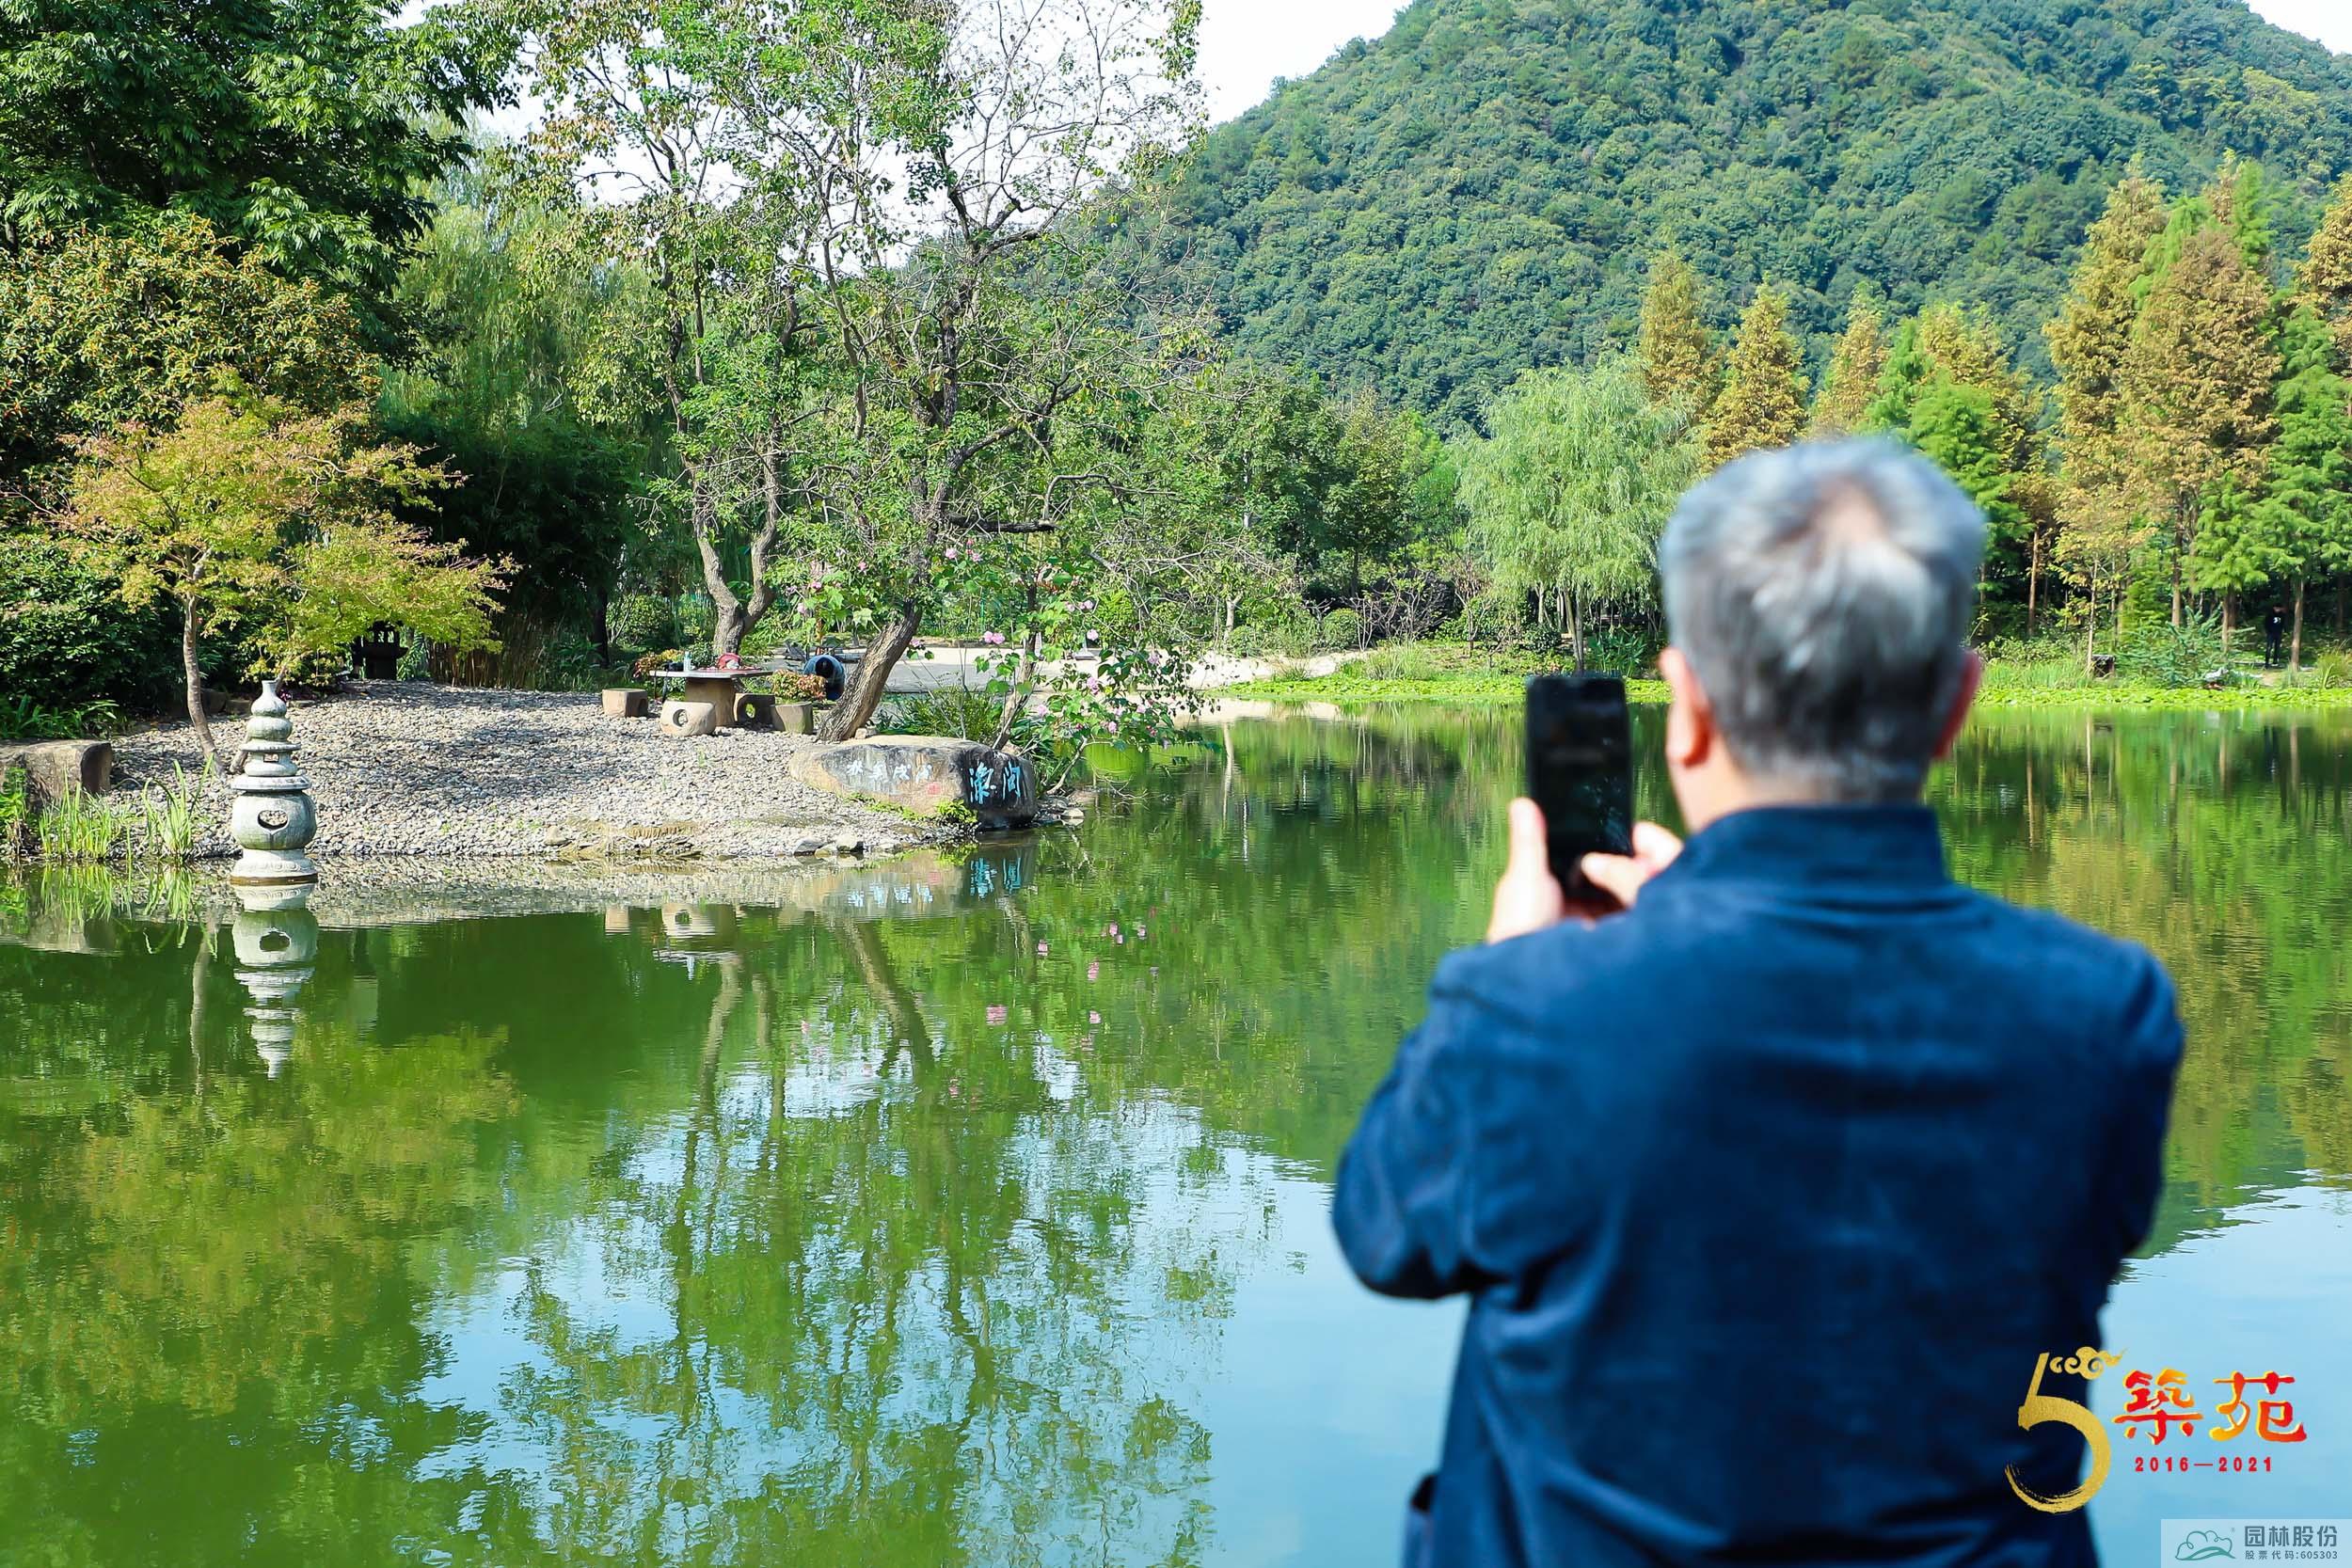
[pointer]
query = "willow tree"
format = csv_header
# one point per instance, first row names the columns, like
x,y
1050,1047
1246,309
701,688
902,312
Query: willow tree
x,y
2196,384
1763,398
1679,357
2100,528
1856,367
1570,489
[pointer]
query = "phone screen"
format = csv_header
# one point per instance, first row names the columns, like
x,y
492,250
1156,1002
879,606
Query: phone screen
x,y
1580,770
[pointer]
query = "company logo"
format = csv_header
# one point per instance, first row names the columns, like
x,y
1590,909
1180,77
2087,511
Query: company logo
x,y
2255,1539
2158,1405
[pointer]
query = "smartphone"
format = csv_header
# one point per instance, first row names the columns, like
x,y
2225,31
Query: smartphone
x,y
1580,770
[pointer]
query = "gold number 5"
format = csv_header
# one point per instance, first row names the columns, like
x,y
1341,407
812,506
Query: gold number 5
x,y
2039,1407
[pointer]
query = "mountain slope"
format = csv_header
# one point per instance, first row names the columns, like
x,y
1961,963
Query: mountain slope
x,y
1481,189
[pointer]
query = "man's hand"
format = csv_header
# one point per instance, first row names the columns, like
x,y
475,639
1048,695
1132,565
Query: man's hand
x,y
1527,898
1621,875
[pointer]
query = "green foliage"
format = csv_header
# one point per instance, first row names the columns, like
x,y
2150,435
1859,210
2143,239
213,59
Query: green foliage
x,y
67,640
310,131
1477,191
1762,405
1568,493
98,330
642,620
1342,628
78,826
249,518
172,817
516,395
2164,655
21,718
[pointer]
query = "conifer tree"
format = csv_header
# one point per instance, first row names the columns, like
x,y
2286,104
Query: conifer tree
x,y
2099,529
2196,384
2306,511
2326,276
1763,398
1679,363
1856,366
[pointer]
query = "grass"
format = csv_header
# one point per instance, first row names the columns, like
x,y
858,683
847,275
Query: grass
x,y
1457,673
78,826
170,817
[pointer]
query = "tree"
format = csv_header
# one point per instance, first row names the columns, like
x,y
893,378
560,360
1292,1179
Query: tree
x,y
1959,428
1763,398
100,329
518,389
251,517
2197,383
2327,275
1679,361
312,131
1856,367
2234,550
692,143
987,343
2306,509
1569,491
2099,528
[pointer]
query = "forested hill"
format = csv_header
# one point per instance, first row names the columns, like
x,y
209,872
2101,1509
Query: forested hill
x,y
1481,189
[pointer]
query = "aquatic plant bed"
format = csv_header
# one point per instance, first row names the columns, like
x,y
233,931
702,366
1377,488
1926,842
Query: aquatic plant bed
x,y
404,768
1348,687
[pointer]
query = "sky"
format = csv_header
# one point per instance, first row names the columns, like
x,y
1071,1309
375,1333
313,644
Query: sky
x,y
1245,44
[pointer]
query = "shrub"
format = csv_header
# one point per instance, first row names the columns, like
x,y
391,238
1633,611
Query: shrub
x,y
2165,655
1342,628
2332,668
697,618
1268,640
641,621
791,686
67,638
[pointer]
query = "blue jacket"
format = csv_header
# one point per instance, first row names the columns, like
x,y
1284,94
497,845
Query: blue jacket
x,y
1767,1196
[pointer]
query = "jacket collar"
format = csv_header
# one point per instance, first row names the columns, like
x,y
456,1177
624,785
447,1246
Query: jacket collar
x,y
1895,848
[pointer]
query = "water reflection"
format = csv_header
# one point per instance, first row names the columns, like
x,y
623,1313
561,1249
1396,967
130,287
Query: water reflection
x,y
955,1210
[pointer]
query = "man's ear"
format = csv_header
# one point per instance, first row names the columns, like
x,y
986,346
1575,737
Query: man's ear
x,y
1971,677
1691,721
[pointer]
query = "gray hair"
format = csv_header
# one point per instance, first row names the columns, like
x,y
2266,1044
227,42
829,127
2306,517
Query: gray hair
x,y
1823,596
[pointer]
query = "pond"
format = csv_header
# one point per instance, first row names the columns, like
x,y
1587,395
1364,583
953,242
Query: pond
x,y
972,1209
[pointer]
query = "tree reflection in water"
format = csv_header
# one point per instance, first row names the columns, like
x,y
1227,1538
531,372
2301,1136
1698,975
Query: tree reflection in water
x,y
901,1219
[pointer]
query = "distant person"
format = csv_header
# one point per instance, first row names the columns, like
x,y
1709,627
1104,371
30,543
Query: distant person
x,y
1769,1192
2274,635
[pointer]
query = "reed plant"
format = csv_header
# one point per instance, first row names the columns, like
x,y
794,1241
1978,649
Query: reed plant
x,y
78,826
170,817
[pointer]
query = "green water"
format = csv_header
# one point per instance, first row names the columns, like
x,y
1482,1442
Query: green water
x,y
973,1211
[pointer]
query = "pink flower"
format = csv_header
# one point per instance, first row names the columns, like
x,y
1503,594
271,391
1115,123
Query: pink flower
x,y
1138,933
951,552
996,1013
1112,929
1094,1018
1041,950
954,1090
1086,604
1094,972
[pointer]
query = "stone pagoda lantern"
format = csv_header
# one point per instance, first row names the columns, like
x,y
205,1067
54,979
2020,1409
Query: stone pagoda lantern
x,y
276,941
273,820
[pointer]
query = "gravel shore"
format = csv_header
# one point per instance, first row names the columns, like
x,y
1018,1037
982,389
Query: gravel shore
x,y
410,769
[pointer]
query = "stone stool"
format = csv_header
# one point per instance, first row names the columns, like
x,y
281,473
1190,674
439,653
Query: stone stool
x,y
681,720
624,702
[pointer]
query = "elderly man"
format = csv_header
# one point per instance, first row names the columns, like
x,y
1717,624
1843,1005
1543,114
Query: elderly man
x,y
1769,1192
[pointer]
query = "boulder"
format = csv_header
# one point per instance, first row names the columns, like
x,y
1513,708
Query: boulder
x,y
57,766
624,702
680,720
925,773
